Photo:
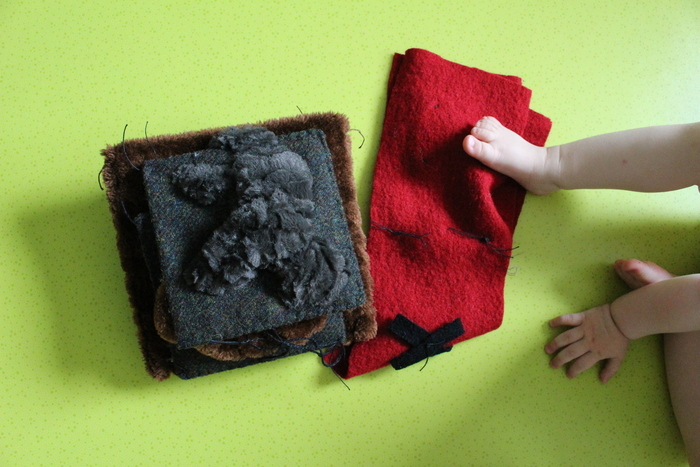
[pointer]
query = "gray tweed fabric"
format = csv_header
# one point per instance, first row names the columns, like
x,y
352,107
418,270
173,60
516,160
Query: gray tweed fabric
x,y
190,363
271,226
183,224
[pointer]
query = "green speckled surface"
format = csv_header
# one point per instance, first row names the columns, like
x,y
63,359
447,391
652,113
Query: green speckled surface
x,y
73,389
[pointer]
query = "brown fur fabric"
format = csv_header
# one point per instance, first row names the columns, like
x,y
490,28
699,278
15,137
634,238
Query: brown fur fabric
x,y
299,333
162,318
126,197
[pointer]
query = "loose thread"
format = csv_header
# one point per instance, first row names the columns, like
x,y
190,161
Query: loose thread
x,y
398,232
145,132
341,355
250,342
433,344
300,111
124,148
363,137
425,364
126,213
99,178
486,241
340,379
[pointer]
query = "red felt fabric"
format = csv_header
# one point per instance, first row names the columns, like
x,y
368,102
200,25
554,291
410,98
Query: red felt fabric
x,y
424,183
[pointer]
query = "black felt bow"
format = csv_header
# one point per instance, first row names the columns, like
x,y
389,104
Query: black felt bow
x,y
423,344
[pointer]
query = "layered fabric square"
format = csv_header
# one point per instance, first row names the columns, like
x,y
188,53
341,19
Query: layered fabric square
x,y
441,222
191,333
181,228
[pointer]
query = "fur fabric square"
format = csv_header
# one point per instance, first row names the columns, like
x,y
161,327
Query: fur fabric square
x,y
442,220
123,179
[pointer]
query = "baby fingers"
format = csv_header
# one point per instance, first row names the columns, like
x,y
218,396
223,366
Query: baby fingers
x,y
564,339
581,364
569,353
612,366
573,319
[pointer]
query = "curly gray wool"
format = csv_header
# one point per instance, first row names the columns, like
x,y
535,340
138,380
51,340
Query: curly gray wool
x,y
204,183
271,226
247,139
317,275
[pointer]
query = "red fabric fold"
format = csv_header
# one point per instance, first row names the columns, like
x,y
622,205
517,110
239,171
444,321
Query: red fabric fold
x,y
424,184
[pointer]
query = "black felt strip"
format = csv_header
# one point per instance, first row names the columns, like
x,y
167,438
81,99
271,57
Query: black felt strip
x,y
408,330
423,344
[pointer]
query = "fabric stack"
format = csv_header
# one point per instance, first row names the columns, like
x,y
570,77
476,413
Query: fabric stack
x,y
441,222
244,245
241,245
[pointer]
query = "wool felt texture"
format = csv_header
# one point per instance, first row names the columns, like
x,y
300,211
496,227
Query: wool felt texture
x,y
423,344
425,185
126,196
182,227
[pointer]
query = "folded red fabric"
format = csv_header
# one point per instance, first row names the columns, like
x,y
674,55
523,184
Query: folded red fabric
x,y
441,222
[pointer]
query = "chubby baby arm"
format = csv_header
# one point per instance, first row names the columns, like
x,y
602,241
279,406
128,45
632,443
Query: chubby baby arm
x,y
603,333
668,306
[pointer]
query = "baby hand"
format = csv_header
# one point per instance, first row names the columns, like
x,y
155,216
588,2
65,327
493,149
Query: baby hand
x,y
594,336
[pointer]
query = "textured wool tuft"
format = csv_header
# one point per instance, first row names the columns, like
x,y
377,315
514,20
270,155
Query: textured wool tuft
x,y
203,183
272,226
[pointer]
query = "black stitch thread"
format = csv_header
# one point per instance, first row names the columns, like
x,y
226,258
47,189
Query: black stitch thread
x,y
124,148
126,213
145,132
363,137
486,241
398,232
433,344
285,345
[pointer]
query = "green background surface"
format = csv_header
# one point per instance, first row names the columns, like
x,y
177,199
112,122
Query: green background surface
x,y
72,388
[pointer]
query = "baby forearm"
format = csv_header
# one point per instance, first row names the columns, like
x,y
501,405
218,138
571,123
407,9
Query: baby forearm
x,y
653,159
668,306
